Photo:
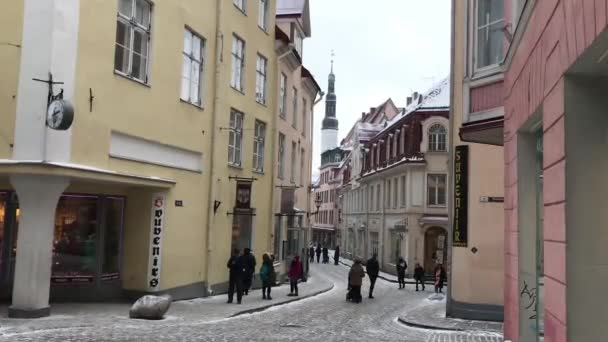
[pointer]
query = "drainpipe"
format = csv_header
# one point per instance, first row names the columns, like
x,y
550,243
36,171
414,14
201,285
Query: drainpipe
x,y
219,46
448,308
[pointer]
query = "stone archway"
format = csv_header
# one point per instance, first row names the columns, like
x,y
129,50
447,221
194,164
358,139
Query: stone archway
x,y
435,248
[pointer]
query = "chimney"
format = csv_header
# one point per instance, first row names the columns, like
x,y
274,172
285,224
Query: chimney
x,y
415,95
362,116
372,109
409,100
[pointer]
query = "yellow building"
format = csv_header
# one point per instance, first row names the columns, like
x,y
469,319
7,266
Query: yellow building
x,y
164,169
296,97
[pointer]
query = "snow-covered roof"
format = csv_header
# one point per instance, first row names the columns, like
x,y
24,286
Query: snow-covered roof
x,y
296,7
436,98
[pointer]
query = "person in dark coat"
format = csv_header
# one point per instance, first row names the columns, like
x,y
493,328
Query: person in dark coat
x,y
266,275
337,256
355,280
248,262
295,274
311,254
401,267
325,255
236,277
419,275
318,253
373,268
439,278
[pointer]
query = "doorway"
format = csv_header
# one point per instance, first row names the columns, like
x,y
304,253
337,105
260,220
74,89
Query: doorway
x,y
434,248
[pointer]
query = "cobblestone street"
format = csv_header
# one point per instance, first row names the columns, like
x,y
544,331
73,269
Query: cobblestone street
x,y
327,317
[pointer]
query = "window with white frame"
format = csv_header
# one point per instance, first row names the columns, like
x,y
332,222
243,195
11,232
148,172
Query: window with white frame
x,y
238,63
403,192
192,69
260,79
283,96
263,14
258,146
395,193
489,33
371,198
387,193
281,158
240,4
304,116
437,138
131,57
235,138
378,197
298,40
436,189
295,107
294,156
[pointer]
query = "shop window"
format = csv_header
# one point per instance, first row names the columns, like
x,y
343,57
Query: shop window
x,y
113,218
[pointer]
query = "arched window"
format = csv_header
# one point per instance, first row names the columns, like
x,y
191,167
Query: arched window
x,y
437,138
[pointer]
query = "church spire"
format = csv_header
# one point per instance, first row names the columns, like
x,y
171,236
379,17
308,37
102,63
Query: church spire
x,y
329,130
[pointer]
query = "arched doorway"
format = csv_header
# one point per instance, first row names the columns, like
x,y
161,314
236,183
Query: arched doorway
x,y
435,248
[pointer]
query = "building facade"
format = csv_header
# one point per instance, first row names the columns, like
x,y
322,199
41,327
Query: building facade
x,y
476,197
398,206
297,95
150,193
553,131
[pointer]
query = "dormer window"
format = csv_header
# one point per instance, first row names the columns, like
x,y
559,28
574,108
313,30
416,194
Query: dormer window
x,y
437,138
297,39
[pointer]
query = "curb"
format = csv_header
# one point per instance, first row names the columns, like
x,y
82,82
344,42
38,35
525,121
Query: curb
x,y
407,282
296,299
426,326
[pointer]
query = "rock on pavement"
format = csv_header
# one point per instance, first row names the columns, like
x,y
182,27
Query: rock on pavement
x,y
150,307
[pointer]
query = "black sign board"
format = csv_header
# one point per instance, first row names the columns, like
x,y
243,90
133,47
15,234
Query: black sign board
x,y
461,188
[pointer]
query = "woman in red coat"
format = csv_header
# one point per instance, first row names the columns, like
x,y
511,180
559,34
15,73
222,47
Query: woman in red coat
x,y
295,274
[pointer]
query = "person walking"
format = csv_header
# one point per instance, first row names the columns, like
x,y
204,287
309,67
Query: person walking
x,y
355,280
236,277
373,268
439,278
311,253
401,267
325,255
419,275
318,253
337,256
249,263
295,274
266,275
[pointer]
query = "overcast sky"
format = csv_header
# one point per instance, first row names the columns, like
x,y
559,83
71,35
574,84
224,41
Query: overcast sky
x,y
384,48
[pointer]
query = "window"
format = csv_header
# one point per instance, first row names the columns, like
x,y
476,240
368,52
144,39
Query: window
x,y
235,139
283,96
396,246
436,188
304,116
260,80
133,39
302,167
437,138
281,156
298,40
263,14
294,156
387,194
371,198
489,32
238,63
374,242
240,4
192,68
258,146
395,193
295,108
378,198
403,192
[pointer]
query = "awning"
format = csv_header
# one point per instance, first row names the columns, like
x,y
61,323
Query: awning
x,y
433,219
488,132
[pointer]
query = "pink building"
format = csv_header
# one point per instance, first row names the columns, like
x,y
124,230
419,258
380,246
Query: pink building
x,y
555,155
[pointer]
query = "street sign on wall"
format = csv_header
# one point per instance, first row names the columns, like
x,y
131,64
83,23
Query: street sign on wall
x,y
461,188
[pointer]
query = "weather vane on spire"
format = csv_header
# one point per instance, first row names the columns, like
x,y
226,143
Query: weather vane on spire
x,y
332,60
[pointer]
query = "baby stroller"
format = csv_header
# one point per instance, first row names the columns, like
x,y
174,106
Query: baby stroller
x,y
350,296
326,259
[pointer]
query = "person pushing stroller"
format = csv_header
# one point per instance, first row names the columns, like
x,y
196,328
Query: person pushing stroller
x,y
355,280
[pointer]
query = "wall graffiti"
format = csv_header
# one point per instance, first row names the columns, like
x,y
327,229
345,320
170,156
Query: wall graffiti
x,y
529,296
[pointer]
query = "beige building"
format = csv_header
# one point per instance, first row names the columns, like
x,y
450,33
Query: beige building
x,y
296,97
164,169
477,212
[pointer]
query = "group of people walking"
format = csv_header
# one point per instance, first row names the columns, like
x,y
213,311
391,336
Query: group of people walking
x,y
357,273
242,270
318,251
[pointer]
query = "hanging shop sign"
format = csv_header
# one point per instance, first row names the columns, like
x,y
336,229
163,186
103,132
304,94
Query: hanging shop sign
x,y
461,187
156,235
243,195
